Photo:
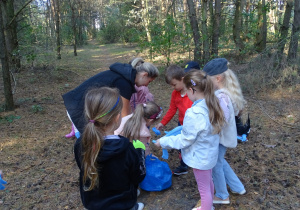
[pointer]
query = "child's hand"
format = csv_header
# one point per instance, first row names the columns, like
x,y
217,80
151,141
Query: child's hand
x,y
159,126
156,143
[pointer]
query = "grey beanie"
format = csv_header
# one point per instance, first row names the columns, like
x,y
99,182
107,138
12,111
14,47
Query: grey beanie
x,y
215,66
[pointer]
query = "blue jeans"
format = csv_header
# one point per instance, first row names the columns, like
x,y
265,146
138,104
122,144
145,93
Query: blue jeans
x,y
223,174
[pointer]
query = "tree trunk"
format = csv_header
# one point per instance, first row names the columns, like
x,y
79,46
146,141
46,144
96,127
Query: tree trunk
x,y
10,27
74,30
195,28
295,32
264,27
216,29
284,29
186,29
205,31
47,21
52,24
9,101
146,19
237,26
80,29
272,19
55,5
258,36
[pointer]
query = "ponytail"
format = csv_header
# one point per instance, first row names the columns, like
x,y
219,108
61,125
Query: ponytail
x,y
132,127
199,81
102,106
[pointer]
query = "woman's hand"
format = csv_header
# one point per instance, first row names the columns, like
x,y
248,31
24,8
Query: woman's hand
x,y
159,126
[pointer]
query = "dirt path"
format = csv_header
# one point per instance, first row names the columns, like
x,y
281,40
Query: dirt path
x,y
39,165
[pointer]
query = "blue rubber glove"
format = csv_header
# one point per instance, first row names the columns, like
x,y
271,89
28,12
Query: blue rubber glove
x,y
2,182
165,154
157,132
243,138
175,131
77,134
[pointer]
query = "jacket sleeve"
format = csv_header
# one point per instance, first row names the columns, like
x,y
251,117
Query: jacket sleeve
x,y
192,127
223,101
138,170
171,111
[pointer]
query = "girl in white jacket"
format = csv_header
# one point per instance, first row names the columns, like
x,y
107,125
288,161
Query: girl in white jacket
x,y
199,139
232,102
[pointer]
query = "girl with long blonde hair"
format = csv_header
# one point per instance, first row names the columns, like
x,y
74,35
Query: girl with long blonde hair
x,y
110,167
136,126
199,138
229,93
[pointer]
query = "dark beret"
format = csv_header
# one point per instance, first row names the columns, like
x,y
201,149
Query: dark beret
x,y
216,66
191,65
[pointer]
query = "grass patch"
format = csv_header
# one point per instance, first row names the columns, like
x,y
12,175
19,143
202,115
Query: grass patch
x,y
37,109
9,118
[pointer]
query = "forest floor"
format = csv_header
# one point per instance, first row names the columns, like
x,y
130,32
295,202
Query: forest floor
x,y
38,161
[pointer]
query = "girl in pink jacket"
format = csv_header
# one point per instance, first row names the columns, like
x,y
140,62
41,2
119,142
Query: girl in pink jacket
x,y
136,126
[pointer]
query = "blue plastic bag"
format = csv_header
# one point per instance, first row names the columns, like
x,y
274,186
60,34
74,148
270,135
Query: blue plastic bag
x,y
158,175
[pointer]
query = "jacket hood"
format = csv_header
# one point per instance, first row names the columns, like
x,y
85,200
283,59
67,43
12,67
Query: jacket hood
x,y
125,70
112,148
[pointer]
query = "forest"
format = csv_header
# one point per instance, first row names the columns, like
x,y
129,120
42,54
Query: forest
x,y
49,47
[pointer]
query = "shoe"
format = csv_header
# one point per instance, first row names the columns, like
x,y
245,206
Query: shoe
x,y
139,206
220,201
240,193
180,170
71,134
199,208
138,192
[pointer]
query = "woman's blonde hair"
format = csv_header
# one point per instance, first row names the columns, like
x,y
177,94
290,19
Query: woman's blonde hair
x,y
198,81
141,66
232,85
132,127
136,62
102,106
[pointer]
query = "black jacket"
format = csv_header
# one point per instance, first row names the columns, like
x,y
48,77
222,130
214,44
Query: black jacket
x,y
122,168
121,76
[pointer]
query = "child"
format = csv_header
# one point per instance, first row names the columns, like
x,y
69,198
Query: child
x,y
232,102
142,94
110,166
179,101
199,137
136,125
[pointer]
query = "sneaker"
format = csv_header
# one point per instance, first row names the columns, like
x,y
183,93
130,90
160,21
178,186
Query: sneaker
x,y
220,201
139,206
240,193
138,192
199,208
180,170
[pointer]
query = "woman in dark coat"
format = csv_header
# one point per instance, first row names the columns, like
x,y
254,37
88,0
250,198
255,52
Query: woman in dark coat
x,y
119,75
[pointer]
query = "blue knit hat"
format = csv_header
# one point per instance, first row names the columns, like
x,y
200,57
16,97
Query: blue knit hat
x,y
191,65
215,66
